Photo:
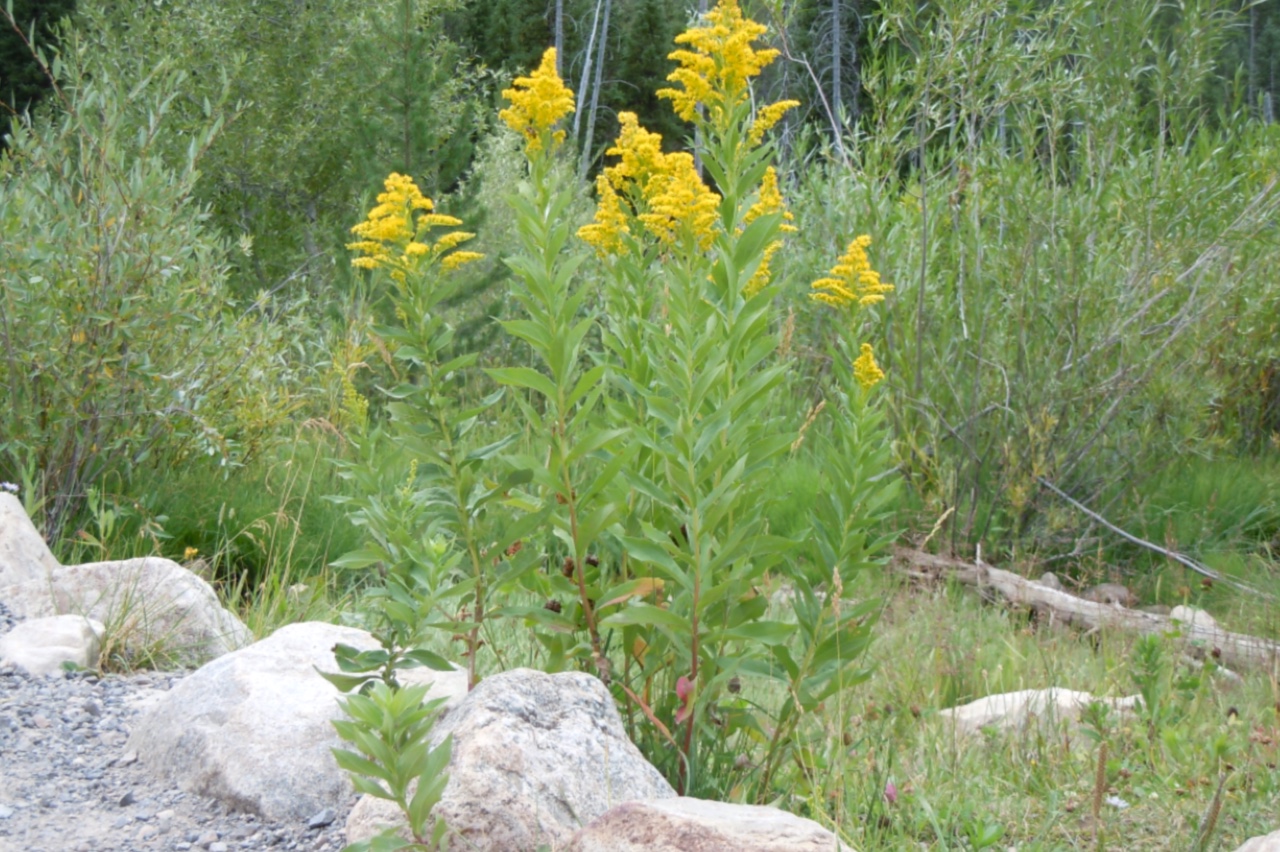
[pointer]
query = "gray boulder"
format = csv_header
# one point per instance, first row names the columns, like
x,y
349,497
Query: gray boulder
x,y
252,728
151,607
42,645
535,758
24,556
697,825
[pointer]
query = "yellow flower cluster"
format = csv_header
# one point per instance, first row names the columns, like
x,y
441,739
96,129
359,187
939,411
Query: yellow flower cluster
x,y
639,154
716,69
769,200
395,235
767,117
679,202
537,103
865,369
664,191
852,280
606,233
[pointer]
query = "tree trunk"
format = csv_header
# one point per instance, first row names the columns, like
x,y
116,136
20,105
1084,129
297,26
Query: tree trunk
x,y
595,89
837,48
559,24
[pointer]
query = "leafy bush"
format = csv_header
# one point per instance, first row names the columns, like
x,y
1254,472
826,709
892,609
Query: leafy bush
x,y
118,345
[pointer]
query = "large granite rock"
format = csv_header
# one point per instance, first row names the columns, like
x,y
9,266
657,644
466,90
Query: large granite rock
x,y
535,758
24,556
151,607
1264,843
252,728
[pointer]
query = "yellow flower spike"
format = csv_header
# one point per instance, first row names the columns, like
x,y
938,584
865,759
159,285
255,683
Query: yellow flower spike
x,y
452,240
718,65
537,103
763,273
852,280
680,203
639,152
458,258
769,200
605,234
395,235
865,369
767,117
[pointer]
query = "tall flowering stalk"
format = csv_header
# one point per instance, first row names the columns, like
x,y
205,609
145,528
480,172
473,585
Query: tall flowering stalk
x,y
429,534
851,286
576,464
689,294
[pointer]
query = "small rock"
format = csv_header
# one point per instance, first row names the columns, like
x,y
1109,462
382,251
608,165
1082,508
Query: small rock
x,y
127,758
147,832
218,847
1194,617
1263,843
320,820
127,799
5,812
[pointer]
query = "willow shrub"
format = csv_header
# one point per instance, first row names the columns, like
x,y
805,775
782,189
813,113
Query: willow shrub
x,y
626,525
118,344
1079,300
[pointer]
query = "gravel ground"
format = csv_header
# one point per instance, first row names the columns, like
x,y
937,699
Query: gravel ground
x,y
67,784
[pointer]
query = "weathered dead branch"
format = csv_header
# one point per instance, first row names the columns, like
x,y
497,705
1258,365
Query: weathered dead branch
x,y
1233,650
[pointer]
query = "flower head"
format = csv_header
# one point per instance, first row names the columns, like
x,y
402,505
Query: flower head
x,y
606,233
680,204
865,369
639,152
537,103
395,235
718,65
767,117
663,191
852,280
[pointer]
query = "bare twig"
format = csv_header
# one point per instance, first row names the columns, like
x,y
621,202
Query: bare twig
x,y
1186,561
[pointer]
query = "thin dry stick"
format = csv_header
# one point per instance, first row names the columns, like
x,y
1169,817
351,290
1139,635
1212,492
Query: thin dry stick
x,y
1210,821
1099,787
1171,554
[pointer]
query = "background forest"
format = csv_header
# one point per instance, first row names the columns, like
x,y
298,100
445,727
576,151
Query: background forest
x,y
1075,201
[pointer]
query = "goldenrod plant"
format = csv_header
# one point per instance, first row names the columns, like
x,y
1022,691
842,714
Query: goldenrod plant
x,y
652,431
575,454
690,328
393,759
425,535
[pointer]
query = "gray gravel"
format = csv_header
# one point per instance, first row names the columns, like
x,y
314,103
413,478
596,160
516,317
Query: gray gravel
x,y
67,783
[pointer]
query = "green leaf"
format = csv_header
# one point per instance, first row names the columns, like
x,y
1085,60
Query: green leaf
x,y
423,657
647,615
344,683
488,451
523,377
651,553
764,632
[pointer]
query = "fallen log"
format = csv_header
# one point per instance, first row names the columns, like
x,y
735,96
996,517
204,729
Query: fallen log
x,y
1233,650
